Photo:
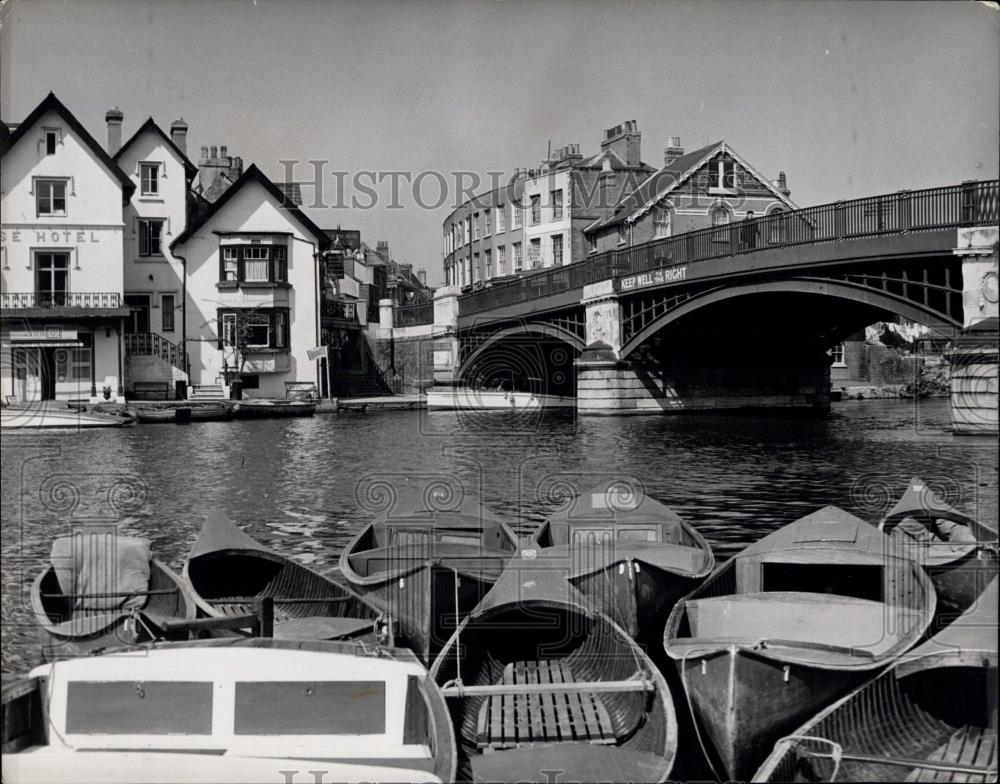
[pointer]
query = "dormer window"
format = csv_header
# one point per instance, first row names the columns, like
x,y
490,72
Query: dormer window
x,y
51,140
149,179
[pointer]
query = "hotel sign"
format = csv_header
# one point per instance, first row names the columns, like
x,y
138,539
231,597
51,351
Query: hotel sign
x,y
653,278
62,236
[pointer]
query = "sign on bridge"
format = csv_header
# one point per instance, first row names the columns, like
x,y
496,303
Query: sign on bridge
x,y
653,278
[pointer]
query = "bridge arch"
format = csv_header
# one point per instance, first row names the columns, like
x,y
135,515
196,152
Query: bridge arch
x,y
469,362
855,293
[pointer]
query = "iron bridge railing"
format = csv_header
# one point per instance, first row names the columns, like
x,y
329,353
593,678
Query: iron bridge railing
x,y
413,315
18,300
953,206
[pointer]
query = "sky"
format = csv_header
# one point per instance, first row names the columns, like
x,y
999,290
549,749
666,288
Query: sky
x,y
848,98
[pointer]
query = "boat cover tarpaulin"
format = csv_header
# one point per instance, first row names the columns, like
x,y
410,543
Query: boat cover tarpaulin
x,y
102,569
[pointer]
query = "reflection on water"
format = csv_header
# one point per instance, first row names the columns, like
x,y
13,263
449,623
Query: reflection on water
x,y
304,486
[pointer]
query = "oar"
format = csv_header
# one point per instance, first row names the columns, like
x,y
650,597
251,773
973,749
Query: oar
x,y
948,767
114,595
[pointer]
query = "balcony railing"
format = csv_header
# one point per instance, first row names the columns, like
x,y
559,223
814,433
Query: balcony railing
x,y
413,315
954,206
149,344
19,300
346,311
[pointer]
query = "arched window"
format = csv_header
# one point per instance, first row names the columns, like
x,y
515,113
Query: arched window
x,y
662,223
721,217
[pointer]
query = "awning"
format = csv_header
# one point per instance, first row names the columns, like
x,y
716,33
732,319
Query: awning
x,y
15,343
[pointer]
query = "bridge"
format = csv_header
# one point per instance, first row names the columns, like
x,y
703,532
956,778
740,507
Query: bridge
x,y
733,316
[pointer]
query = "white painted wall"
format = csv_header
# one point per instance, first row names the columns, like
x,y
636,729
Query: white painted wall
x,y
549,226
252,209
155,276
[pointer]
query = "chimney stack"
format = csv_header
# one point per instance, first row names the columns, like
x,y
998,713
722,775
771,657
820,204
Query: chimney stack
x,y
625,141
222,151
214,152
673,150
783,184
204,154
178,134
114,119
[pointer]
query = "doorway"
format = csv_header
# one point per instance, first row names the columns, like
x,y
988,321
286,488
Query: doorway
x,y
34,374
138,321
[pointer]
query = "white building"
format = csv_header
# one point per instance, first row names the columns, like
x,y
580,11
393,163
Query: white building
x,y
61,269
253,289
546,215
159,168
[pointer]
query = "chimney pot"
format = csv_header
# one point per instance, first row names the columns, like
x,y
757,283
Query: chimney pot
x,y
222,151
422,277
178,134
204,153
113,118
783,183
215,151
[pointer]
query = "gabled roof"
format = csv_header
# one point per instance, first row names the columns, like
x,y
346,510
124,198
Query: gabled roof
x,y
673,175
52,104
292,191
253,174
150,125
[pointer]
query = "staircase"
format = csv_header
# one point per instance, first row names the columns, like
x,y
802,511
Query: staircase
x,y
153,366
149,344
207,392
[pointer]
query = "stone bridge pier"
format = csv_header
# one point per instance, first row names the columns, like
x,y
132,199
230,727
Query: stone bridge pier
x,y
974,356
690,371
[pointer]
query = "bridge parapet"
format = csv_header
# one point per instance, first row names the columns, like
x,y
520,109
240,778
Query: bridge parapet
x,y
969,204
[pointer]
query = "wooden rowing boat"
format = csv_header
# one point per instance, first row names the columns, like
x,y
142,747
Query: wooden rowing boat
x,y
931,717
152,416
790,624
958,552
428,566
228,572
211,413
107,613
628,553
543,687
228,711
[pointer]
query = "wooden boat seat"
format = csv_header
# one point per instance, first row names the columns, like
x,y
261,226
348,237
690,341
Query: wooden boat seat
x,y
508,721
581,762
321,627
969,747
823,620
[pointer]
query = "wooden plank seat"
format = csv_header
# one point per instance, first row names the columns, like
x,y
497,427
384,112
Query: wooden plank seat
x,y
973,753
508,721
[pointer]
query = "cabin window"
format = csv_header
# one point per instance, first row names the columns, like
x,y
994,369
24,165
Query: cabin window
x,y
858,580
309,708
139,707
591,536
651,534
460,538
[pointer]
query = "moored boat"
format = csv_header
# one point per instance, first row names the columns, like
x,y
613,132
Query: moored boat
x,y
148,415
428,565
228,571
270,409
958,552
470,399
43,416
226,712
542,686
628,553
931,717
793,622
210,412
102,590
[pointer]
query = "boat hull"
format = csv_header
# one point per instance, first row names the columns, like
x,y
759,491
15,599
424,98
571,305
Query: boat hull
x,y
44,418
743,702
251,410
57,642
960,583
466,399
636,596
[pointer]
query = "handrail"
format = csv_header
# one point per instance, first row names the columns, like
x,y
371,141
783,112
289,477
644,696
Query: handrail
x,y
151,344
973,203
16,300
413,315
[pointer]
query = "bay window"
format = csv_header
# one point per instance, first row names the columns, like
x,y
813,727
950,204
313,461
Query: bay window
x,y
256,263
256,329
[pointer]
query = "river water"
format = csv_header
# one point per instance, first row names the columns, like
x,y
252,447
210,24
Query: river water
x,y
304,486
